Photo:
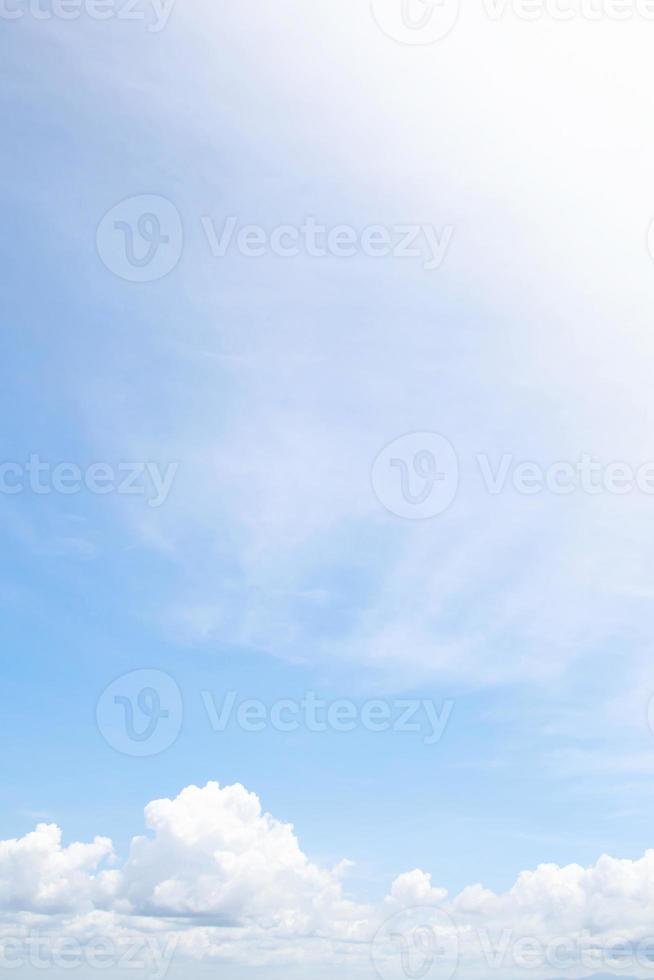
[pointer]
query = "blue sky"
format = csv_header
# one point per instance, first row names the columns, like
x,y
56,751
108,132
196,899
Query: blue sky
x,y
269,386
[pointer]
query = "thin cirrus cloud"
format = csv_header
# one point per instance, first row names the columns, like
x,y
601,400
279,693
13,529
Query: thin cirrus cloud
x,y
262,509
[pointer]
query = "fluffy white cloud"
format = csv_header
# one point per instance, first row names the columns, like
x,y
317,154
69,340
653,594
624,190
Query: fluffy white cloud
x,y
214,852
611,897
218,878
38,874
415,888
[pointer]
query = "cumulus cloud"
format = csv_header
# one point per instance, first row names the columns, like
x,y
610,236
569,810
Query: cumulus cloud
x,y
614,896
415,888
214,852
216,877
38,874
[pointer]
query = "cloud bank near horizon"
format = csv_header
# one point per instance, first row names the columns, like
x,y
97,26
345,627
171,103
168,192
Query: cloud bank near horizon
x,y
221,880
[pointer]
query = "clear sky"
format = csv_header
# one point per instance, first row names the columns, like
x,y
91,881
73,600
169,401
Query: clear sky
x,y
446,277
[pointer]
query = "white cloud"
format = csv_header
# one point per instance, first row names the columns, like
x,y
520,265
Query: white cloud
x,y
415,888
38,874
214,852
277,408
217,878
